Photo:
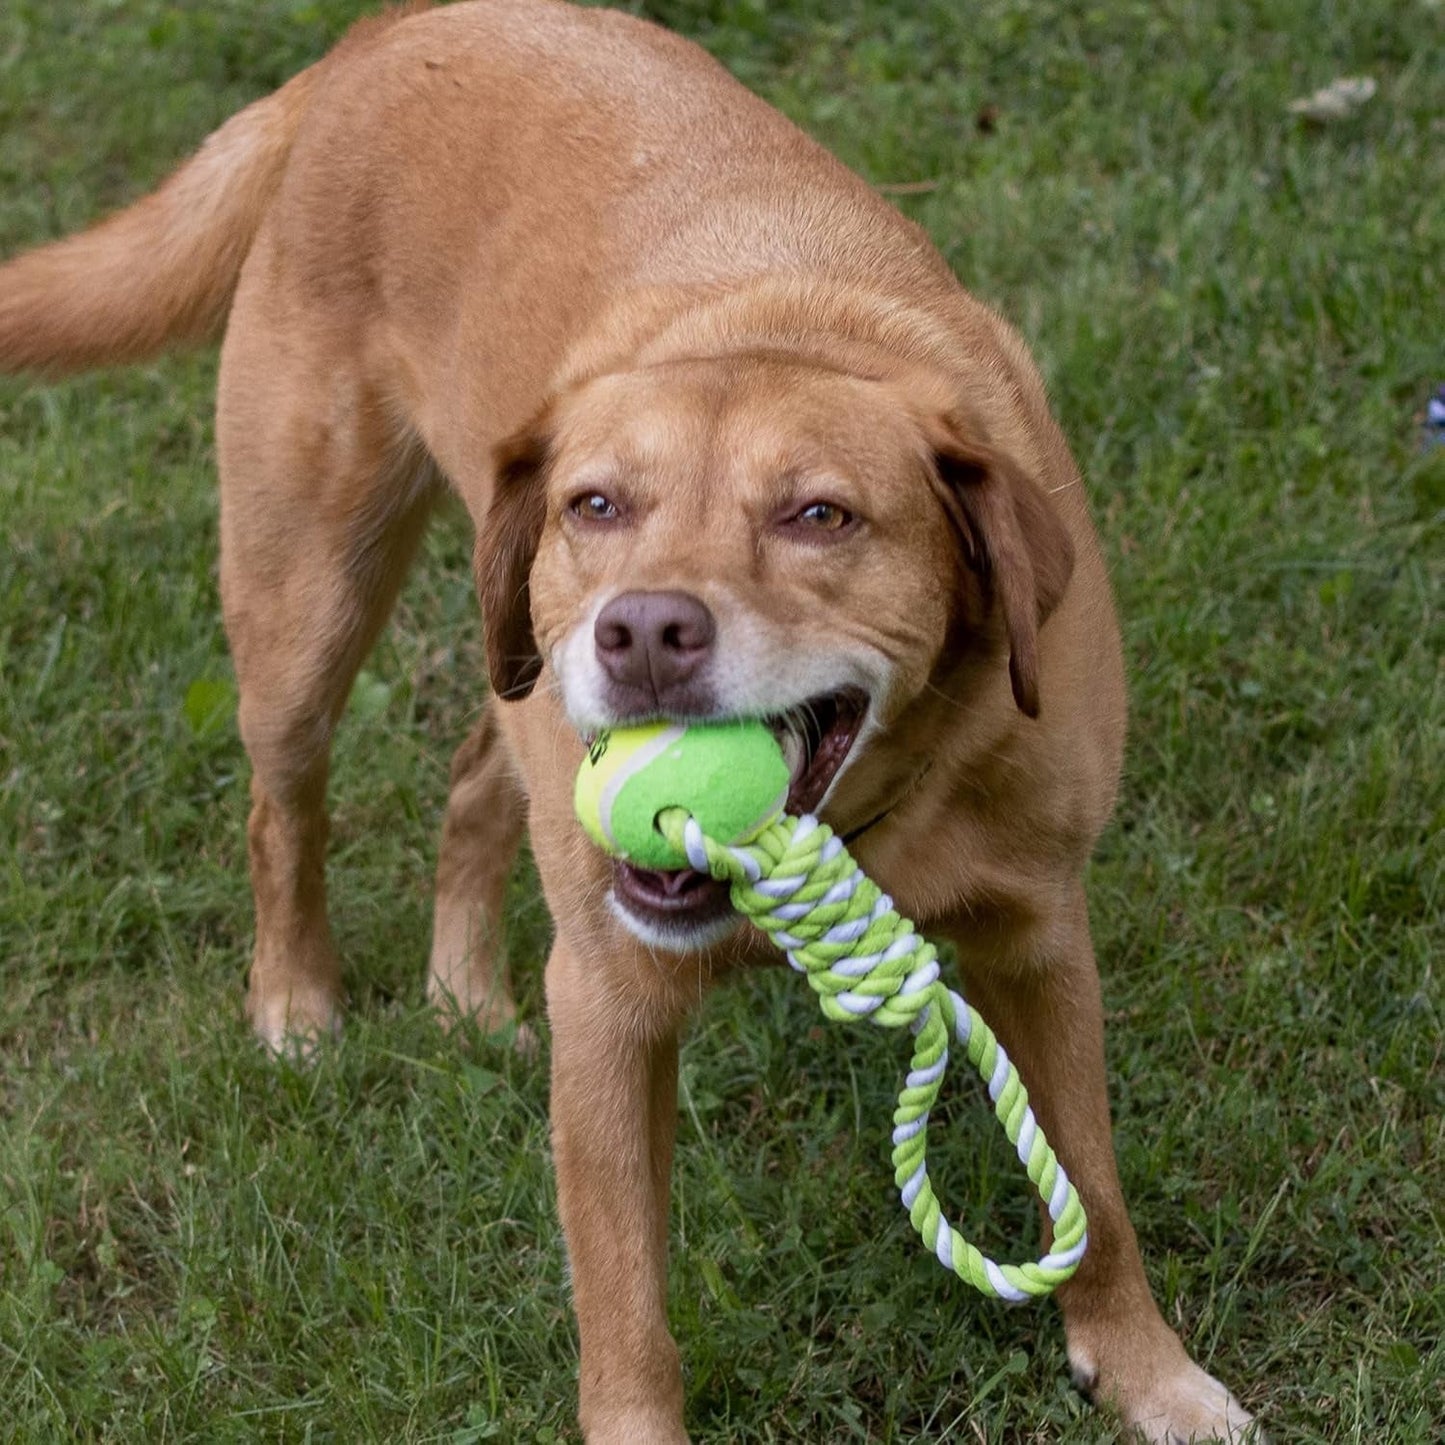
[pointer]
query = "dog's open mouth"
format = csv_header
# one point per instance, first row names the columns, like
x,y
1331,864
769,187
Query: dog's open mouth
x,y
816,737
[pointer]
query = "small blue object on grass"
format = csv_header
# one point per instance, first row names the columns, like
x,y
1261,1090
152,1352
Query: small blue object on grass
x,y
1435,419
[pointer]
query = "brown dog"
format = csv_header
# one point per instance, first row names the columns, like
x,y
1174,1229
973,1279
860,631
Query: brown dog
x,y
735,443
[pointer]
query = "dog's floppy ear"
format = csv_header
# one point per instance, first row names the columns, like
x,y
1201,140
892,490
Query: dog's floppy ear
x,y
1011,536
502,561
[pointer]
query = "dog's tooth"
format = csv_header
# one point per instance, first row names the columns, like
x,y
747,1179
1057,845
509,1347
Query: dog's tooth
x,y
795,754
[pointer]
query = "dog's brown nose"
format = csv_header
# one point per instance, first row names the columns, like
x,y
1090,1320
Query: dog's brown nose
x,y
652,644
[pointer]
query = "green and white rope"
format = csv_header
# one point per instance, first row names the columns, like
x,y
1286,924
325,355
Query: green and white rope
x,y
797,882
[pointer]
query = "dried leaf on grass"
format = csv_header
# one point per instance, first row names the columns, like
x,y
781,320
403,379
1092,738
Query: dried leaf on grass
x,y
1338,100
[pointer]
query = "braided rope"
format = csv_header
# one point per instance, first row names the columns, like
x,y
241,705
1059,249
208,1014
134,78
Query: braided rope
x,y
797,882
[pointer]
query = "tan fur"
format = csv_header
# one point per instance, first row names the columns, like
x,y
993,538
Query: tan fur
x,y
525,250
162,271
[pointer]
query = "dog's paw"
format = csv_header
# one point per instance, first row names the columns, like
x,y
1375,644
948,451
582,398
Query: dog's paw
x,y
291,1025
493,1013
1193,1406
1180,1406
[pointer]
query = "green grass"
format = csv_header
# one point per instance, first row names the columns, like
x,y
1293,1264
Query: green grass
x,y
1240,319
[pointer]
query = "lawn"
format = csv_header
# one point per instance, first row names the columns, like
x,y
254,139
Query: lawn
x,y
1240,315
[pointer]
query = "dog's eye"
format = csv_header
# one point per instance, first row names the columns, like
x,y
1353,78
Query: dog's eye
x,y
594,507
823,517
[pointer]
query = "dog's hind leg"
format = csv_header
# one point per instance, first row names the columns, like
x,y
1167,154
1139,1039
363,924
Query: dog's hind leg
x,y
323,499
486,811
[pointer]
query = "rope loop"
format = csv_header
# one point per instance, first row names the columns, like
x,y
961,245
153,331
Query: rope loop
x,y
797,882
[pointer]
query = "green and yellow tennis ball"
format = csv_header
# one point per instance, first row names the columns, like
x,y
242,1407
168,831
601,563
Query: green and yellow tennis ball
x,y
730,776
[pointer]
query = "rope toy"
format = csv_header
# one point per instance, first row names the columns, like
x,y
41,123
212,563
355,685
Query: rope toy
x,y
710,797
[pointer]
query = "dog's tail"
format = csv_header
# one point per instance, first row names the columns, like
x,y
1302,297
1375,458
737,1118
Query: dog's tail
x,y
163,271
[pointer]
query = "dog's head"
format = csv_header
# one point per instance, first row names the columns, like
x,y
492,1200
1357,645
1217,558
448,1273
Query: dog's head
x,y
760,537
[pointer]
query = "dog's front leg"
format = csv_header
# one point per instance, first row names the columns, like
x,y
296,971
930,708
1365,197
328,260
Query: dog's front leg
x,y
614,1116
1040,994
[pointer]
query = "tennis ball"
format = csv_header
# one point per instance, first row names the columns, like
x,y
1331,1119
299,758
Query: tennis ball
x,y
730,776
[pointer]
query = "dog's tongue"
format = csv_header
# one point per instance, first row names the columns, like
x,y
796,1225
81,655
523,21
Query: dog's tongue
x,y
674,885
